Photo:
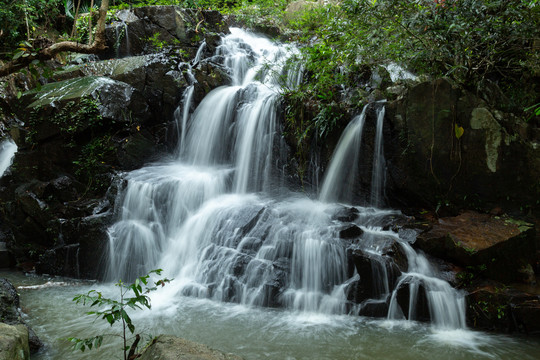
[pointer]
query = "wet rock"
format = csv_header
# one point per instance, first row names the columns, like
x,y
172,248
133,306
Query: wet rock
x,y
209,76
374,271
9,302
14,342
166,347
374,308
419,310
350,231
503,246
346,214
63,260
6,257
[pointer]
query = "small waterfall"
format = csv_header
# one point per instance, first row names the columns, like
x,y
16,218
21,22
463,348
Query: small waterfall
x,y
377,177
339,180
445,304
187,100
7,152
122,32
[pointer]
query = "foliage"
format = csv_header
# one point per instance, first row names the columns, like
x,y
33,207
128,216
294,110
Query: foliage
x,y
71,118
115,311
92,160
15,14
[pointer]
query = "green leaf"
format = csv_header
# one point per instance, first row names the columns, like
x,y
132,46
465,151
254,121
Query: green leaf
x,y
458,131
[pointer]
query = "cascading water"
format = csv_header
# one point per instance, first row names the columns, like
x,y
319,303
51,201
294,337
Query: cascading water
x,y
341,173
7,151
377,178
215,219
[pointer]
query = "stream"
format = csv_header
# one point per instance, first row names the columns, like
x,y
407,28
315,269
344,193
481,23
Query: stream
x,y
253,333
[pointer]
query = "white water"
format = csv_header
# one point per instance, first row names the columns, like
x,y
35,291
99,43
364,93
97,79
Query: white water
x,y
7,152
341,173
216,220
377,178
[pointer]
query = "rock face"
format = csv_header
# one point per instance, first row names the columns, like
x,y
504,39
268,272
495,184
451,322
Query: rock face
x,y
501,247
166,347
456,146
146,30
14,342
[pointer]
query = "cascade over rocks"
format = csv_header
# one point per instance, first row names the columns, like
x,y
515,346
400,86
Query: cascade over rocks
x,y
92,120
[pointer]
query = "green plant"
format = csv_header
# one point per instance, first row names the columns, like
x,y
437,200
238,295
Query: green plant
x,y
23,19
92,161
114,311
157,44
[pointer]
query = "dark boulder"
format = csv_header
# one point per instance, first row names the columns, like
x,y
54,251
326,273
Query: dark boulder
x,y
418,309
377,273
502,246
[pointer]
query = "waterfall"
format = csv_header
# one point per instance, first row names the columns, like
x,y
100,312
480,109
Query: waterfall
x,y
341,174
7,151
377,177
214,221
446,305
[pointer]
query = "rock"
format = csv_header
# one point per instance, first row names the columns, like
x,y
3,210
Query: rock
x,y
9,303
209,76
14,342
374,308
10,315
346,214
494,306
166,347
6,257
419,311
489,162
374,271
501,246
350,231
147,29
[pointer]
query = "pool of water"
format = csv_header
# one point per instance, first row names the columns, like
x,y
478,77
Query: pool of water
x,y
253,333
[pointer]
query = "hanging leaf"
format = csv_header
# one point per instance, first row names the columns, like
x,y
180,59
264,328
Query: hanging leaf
x,y
458,131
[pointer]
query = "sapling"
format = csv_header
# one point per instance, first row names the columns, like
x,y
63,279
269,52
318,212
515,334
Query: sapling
x,y
114,311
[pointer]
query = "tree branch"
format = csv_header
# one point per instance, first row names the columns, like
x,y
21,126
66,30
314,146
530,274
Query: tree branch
x,y
99,45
